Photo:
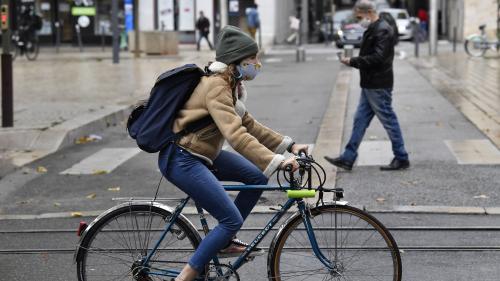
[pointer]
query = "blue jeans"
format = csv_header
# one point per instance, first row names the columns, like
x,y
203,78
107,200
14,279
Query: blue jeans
x,y
190,174
375,102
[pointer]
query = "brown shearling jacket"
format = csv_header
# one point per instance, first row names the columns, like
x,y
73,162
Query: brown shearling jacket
x,y
257,143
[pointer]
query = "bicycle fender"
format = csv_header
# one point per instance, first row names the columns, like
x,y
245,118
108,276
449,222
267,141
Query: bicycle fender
x,y
472,36
181,217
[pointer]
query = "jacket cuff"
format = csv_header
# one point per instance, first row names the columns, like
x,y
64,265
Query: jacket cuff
x,y
354,62
274,165
285,143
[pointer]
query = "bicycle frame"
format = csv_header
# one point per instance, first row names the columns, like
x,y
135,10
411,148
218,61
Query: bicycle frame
x,y
243,258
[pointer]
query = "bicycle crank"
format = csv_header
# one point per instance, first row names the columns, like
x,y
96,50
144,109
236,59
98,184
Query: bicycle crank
x,y
221,272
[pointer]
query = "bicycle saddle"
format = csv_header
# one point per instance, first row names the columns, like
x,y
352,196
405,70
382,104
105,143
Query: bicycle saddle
x,y
482,26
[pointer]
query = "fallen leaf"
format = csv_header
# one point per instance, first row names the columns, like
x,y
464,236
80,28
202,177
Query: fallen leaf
x,y
439,124
482,196
87,139
41,170
116,188
380,199
57,204
91,196
76,214
99,172
413,204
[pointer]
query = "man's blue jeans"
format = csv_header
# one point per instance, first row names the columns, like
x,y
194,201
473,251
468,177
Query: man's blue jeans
x,y
190,174
375,102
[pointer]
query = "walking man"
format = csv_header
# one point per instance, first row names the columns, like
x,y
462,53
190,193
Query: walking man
x,y
203,26
375,66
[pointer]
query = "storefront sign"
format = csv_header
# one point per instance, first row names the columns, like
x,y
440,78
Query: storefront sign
x,y
83,21
234,7
83,11
129,15
166,15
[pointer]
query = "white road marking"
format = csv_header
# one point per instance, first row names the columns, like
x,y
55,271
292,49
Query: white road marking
x,y
273,60
374,153
103,161
474,152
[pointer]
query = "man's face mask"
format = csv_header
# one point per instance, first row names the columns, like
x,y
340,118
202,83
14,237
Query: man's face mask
x,y
248,71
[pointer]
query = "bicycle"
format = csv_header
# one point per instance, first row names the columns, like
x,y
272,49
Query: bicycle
x,y
476,45
26,43
146,240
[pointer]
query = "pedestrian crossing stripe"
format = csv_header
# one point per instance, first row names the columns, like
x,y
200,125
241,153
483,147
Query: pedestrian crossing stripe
x,y
102,162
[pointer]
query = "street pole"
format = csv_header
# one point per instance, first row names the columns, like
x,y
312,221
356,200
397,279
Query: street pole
x,y
116,33
223,13
7,81
136,29
433,28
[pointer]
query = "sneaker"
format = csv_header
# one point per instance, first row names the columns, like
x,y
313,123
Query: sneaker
x,y
236,248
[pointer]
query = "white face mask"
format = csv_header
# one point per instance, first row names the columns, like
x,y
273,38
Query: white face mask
x,y
365,22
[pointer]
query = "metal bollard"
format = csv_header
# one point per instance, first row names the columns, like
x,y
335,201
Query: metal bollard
x,y
300,54
103,39
79,37
416,37
454,39
57,25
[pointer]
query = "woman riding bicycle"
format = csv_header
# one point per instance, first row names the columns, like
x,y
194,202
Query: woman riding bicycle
x,y
196,163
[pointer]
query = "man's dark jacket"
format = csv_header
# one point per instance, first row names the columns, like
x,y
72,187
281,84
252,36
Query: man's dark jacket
x,y
376,56
203,25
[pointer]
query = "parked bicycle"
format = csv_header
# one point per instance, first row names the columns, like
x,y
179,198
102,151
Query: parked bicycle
x,y
146,240
25,43
476,45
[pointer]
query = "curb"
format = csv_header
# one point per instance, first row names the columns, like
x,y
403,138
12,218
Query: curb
x,y
329,140
25,146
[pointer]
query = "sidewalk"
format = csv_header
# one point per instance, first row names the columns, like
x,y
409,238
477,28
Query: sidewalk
x,y
61,97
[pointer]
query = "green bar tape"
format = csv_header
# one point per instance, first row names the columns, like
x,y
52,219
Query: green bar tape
x,y
303,193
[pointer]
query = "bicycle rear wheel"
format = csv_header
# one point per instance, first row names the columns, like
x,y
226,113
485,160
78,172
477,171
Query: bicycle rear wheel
x,y
476,46
115,246
358,244
32,48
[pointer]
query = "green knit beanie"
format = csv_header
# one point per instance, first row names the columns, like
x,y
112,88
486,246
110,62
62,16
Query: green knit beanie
x,y
234,45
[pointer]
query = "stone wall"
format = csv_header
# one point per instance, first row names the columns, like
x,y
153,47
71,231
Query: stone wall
x,y
477,12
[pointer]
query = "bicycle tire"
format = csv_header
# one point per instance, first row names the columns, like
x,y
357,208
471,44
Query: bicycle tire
x,y
99,257
32,49
291,257
471,46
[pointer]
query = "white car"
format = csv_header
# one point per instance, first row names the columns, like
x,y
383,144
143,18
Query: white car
x,y
403,21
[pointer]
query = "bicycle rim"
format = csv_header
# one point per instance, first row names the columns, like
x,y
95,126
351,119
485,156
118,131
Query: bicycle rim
x,y
360,247
475,46
114,248
32,50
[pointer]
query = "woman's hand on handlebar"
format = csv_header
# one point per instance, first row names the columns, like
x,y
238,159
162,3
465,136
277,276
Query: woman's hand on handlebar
x,y
290,162
296,148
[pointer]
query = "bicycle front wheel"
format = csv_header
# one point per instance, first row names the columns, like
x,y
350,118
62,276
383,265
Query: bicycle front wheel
x,y
116,245
476,46
358,246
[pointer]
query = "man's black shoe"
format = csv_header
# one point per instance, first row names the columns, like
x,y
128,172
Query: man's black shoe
x,y
396,164
339,162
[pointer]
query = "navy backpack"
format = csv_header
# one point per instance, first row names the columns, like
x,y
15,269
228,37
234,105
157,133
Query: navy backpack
x,y
150,123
